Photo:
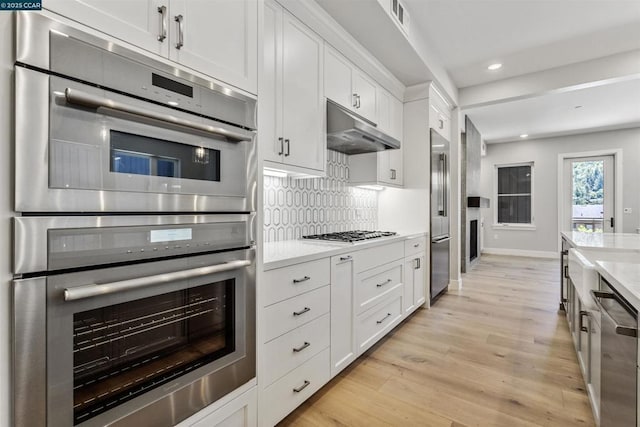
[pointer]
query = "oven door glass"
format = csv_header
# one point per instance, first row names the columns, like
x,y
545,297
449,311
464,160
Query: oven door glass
x,y
124,350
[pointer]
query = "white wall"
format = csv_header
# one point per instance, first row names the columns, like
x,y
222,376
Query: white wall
x,y
6,205
544,153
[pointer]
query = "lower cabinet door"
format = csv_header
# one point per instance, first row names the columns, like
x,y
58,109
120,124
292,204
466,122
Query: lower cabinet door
x,y
290,391
373,324
240,412
343,340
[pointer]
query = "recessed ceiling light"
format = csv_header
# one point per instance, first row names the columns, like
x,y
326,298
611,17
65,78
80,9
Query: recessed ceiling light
x,y
172,103
524,135
495,66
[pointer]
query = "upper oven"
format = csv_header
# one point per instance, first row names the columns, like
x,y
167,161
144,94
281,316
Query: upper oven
x,y
100,128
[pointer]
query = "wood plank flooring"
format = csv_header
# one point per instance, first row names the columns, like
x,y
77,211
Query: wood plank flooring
x,y
495,353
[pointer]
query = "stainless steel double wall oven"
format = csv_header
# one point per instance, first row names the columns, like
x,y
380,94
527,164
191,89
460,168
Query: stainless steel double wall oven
x,y
134,247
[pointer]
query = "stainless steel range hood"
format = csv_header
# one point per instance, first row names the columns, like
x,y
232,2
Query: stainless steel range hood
x,y
350,134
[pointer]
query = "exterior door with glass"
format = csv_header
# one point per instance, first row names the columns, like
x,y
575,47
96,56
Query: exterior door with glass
x,y
589,185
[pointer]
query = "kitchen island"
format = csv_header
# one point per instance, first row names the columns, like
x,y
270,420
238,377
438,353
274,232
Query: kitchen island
x,y
600,293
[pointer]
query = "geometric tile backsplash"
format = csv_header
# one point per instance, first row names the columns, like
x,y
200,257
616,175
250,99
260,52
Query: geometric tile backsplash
x,y
297,207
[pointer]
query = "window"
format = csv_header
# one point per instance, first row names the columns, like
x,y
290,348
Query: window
x,y
514,194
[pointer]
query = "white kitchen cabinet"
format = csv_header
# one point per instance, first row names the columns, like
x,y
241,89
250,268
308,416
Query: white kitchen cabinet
x,y
194,33
240,412
348,86
218,38
140,23
381,168
375,284
389,114
293,121
290,391
375,323
343,340
414,282
439,114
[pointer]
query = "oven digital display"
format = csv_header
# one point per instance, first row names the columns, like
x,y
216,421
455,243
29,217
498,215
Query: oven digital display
x,y
170,235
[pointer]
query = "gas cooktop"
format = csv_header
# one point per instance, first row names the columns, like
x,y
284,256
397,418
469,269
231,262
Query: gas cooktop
x,y
350,236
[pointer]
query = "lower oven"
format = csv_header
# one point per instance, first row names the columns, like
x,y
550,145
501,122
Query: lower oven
x,y
133,320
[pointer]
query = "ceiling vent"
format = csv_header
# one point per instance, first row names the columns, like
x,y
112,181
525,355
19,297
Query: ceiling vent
x,y
400,14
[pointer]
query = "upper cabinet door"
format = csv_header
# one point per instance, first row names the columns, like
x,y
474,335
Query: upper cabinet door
x,y
383,111
270,80
337,79
365,90
218,38
143,23
303,95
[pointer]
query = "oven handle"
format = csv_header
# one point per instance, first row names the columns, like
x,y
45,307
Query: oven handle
x,y
84,99
94,290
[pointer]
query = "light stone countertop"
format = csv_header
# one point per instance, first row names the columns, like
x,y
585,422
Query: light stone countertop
x,y
604,241
624,277
289,252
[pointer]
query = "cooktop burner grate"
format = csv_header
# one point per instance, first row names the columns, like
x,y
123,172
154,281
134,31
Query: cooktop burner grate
x,y
350,236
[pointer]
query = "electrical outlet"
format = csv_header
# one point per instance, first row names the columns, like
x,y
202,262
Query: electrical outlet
x,y
627,210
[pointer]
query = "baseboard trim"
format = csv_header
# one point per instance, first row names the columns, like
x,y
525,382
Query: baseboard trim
x,y
520,252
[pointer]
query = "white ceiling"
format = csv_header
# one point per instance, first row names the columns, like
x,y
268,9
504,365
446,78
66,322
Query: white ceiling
x,y
611,106
524,35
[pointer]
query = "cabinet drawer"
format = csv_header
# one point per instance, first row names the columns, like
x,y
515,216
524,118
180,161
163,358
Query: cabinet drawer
x,y
369,258
415,245
285,353
373,285
375,323
293,312
287,282
290,391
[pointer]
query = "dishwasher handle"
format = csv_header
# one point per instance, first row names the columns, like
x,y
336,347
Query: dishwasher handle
x,y
630,331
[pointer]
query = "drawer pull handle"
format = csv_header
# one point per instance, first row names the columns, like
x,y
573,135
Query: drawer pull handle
x,y
346,258
301,312
304,279
383,319
302,347
416,245
379,285
302,387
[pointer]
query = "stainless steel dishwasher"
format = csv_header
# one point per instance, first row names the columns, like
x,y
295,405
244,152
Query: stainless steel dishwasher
x,y
619,356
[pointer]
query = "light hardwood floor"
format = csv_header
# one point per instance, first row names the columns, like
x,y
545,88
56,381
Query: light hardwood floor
x,y
495,353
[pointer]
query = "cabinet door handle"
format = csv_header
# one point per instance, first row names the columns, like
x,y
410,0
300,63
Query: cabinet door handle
x,y
566,271
417,260
288,145
281,141
302,347
302,387
346,258
580,324
393,174
162,10
301,312
355,100
358,101
304,279
180,20
379,285
383,319
441,123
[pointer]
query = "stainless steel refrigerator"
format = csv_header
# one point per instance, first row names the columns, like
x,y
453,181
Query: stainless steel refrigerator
x,y
440,237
